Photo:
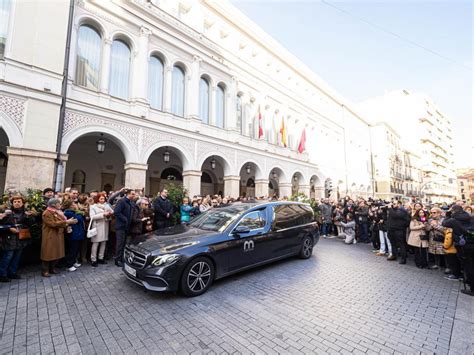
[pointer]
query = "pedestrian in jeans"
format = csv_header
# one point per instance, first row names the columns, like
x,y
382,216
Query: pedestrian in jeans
x,y
75,234
418,238
13,220
123,219
326,215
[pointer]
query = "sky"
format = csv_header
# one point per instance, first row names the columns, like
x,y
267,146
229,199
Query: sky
x,y
363,49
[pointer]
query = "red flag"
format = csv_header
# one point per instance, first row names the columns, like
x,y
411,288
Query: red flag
x,y
260,124
302,145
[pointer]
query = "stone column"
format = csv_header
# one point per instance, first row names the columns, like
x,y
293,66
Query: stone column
x,y
285,189
305,189
135,175
29,168
192,90
140,67
105,66
168,86
192,182
232,186
261,188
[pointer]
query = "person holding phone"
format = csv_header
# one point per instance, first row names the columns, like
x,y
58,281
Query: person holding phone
x,y
52,242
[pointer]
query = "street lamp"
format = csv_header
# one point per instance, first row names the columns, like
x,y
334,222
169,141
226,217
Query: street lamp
x,y
166,156
274,174
247,168
295,178
213,164
101,144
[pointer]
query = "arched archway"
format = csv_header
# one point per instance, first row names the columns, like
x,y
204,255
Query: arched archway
x,y
297,182
276,177
165,168
212,176
316,188
251,182
96,162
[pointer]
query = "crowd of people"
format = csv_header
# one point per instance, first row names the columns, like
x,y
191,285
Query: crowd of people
x,y
435,235
93,227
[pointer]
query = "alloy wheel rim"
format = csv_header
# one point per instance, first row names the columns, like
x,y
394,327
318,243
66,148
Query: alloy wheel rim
x,y
307,246
199,276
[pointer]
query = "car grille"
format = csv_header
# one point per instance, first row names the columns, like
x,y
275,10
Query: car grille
x,y
135,258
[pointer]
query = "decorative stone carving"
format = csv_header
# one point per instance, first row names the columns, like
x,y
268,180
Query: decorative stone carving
x,y
74,120
14,108
150,137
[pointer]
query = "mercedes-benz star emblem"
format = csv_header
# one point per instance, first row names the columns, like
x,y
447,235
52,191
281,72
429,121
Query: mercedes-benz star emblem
x,y
130,258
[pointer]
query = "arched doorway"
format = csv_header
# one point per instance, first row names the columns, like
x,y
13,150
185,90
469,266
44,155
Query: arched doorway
x,y
275,178
249,174
328,188
315,187
296,181
212,176
4,143
164,169
95,162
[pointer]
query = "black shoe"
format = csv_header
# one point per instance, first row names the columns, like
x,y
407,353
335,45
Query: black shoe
x,y
102,261
118,263
15,277
403,261
94,264
467,292
4,279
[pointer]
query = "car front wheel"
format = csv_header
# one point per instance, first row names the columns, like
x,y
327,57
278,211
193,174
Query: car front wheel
x,y
306,247
197,277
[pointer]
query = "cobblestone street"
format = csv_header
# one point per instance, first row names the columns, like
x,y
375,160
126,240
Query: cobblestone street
x,y
343,299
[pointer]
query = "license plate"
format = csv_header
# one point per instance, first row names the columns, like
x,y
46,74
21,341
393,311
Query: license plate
x,y
130,270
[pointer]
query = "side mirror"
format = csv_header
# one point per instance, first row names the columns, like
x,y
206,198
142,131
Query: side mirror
x,y
241,230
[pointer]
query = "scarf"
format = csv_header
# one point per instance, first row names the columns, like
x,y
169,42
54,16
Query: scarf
x,y
58,212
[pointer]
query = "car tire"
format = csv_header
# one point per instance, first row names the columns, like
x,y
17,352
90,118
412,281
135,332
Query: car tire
x,y
307,245
197,277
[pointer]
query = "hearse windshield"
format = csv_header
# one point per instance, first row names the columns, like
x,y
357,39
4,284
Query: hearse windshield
x,y
217,219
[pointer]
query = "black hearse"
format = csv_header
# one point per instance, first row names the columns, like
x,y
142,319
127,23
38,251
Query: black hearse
x,y
218,243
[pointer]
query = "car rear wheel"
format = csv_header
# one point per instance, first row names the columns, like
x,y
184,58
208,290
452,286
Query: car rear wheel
x,y
197,277
306,247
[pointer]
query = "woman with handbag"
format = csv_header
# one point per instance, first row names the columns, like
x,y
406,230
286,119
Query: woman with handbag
x,y
99,213
418,238
52,238
14,237
436,233
75,234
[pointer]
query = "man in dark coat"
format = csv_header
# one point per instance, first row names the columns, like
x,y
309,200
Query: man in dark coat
x,y
163,209
123,219
460,222
398,221
362,220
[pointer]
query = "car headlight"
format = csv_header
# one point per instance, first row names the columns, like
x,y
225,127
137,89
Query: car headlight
x,y
165,259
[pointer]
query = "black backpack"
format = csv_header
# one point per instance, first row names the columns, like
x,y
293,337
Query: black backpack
x,y
466,240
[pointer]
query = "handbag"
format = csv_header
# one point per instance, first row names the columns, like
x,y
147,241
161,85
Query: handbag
x,y
438,237
24,233
91,232
424,237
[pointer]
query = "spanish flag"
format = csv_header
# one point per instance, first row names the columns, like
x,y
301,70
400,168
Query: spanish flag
x,y
283,131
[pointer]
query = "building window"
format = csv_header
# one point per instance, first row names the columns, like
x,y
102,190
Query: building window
x,y
79,180
177,92
155,83
204,100
220,97
5,7
119,69
240,122
88,57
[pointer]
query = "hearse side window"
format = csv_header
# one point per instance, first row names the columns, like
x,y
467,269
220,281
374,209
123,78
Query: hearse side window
x,y
253,220
287,216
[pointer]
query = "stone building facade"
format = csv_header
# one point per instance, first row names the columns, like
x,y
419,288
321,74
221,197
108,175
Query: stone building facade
x,y
169,92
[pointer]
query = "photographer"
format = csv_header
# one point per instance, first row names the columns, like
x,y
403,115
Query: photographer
x,y
374,227
385,245
462,223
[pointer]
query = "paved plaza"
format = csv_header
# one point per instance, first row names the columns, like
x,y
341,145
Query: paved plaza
x,y
342,300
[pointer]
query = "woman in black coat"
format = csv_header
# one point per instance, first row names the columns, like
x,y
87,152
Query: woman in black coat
x,y
12,221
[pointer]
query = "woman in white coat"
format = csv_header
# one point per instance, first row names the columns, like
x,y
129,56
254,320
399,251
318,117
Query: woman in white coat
x,y
99,213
